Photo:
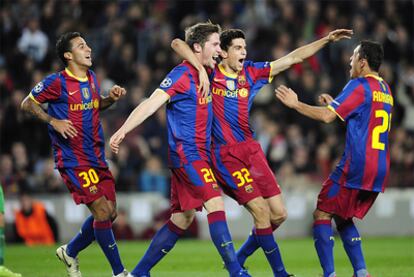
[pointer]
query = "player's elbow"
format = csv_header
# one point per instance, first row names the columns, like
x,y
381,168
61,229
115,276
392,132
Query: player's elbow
x,y
175,43
25,104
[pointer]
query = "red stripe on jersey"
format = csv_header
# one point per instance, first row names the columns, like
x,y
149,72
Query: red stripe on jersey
x,y
342,180
180,152
96,123
352,102
243,116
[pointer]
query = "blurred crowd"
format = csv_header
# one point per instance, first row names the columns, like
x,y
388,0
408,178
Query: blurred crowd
x,y
131,47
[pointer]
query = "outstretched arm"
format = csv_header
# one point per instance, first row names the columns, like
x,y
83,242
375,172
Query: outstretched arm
x,y
138,115
289,98
304,52
184,51
63,127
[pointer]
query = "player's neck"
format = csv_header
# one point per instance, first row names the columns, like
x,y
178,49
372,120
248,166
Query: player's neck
x,y
78,71
368,72
227,70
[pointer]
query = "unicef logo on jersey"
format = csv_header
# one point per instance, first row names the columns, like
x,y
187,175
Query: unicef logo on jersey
x,y
38,88
166,83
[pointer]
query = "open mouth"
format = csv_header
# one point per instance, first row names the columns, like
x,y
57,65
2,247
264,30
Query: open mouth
x,y
241,61
217,59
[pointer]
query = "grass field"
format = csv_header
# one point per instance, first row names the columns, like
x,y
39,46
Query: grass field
x,y
386,257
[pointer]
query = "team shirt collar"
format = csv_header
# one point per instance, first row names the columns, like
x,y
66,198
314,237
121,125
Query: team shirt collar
x,y
227,74
373,76
84,79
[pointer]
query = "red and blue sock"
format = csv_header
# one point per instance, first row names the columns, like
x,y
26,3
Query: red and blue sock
x,y
324,243
352,244
221,237
106,240
163,241
249,246
83,239
270,248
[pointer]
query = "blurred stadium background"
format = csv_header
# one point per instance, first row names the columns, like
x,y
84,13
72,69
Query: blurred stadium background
x,y
130,41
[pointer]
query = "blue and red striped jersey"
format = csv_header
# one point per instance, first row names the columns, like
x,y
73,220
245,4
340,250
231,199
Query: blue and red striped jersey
x,y
233,96
75,99
365,104
189,117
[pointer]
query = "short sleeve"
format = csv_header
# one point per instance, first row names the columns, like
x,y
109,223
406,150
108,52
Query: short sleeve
x,y
349,100
48,90
259,71
176,82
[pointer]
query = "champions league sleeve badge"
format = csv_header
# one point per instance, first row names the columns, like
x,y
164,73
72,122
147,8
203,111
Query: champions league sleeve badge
x,y
166,83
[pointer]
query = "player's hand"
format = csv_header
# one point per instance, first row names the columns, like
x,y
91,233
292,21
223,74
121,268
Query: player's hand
x,y
116,92
325,99
116,140
287,96
340,34
64,127
204,88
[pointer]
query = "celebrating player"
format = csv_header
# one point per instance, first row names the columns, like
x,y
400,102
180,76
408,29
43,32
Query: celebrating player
x,y
238,160
365,105
193,185
74,102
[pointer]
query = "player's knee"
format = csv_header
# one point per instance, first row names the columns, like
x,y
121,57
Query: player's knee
x,y
320,215
261,213
279,216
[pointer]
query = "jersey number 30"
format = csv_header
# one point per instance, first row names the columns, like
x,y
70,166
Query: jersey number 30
x,y
378,130
89,177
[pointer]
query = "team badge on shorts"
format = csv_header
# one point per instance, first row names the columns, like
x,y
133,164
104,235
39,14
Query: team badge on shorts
x,y
93,189
85,92
241,80
248,188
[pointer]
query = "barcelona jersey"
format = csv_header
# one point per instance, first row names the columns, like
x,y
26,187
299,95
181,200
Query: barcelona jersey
x,y
233,96
75,99
189,117
365,104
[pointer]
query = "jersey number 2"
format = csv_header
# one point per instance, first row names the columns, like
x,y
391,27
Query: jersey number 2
x,y
89,177
378,130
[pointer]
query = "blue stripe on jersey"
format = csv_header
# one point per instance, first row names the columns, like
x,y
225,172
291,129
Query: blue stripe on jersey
x,y
61,111
193,175
347,90
232,104
222,170
357,127
188,148
87,126
73,177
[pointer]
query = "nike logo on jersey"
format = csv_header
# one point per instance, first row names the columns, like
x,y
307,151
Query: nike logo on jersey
x,y
73,92
219,80
224,244
270,251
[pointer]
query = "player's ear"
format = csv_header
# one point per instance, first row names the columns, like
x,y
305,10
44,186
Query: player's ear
x,y
68,56
197,47
224,54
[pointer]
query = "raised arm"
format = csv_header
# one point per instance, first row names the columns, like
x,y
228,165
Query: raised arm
x,y
138,115
289,98
63,127
304,52
184,51
115,93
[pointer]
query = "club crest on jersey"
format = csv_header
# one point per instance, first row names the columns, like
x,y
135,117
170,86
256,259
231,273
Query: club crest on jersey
x,y
248,188
85,92
230,85
241,80
166,83
38,88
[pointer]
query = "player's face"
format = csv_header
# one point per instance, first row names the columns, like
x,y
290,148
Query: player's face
x,y
211,50
81,52
236,54
355,64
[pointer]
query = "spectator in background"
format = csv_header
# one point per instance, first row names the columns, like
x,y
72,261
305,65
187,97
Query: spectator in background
x,y
33,224
153,177
33,42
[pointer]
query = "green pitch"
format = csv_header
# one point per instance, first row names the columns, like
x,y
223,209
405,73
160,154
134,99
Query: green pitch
x,y
386,257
